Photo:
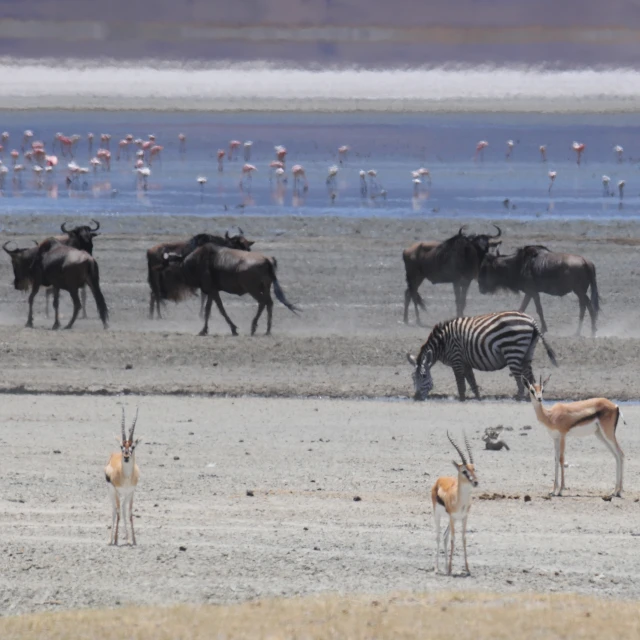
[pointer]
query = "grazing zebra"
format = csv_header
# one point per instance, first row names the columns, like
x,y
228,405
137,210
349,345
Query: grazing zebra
x,y
488,343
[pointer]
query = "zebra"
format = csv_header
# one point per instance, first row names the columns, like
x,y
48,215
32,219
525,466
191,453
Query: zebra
x,y
488,343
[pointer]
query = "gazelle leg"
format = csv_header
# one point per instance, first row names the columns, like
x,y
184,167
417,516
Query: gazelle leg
x,y
436,517
464,543
133,533
452,532
617,454
114,514
562,443
556,444
123,515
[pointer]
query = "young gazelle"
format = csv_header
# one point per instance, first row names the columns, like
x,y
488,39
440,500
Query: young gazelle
x,y
596,416
452,497
122,476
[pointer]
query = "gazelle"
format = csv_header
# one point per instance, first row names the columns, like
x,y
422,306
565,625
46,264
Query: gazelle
x,y
122,476
596,416
452,497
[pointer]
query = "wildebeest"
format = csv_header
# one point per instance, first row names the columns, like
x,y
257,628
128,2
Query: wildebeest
x,y
184,248
456,260
52,264
213,269
80,237
534,269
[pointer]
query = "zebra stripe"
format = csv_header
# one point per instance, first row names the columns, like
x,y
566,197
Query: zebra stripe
x,y
488,343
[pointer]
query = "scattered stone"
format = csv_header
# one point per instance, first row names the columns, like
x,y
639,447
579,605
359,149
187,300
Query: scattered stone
x,y
527,498
249,493
527,427
357,499
57,451
128,367
316,548
182,548
176,457
607,498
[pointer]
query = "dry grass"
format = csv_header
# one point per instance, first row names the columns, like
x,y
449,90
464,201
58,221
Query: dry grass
x,y
464,615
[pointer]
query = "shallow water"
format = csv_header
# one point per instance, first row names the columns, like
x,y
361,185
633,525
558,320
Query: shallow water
x,y
393,144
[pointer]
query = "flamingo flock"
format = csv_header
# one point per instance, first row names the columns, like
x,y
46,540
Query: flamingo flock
x,y
144,153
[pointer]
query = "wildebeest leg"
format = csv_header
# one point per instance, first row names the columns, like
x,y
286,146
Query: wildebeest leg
x,y
216,296
410,294
203,301
536,300
56,304
47,295
254,322
407,300
585,303
76,307
594,316
269,303
84,302
462,387
462,296
525,303
471,379
207,313
32,295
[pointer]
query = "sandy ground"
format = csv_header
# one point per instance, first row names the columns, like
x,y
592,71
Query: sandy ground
x,y
202,539
304,459
347,276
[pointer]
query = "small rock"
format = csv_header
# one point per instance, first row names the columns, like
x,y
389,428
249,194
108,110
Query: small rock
x,y
176,457
305,528
128,367
527,498
357,499
316,548
182,548
191,433
509,581
250,493
57,451
607,498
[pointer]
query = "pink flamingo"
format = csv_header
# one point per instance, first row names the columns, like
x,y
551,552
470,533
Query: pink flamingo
x,y
274,165
247,150
15,154
51,161
90,141
66,144
123,148
578,147
422,173
480,147
155,152
342,153
298,174
281,153
105,156
552,179
5,137
233,146
95,163
247,173
182,143
26,136
220,156
105,139
543,152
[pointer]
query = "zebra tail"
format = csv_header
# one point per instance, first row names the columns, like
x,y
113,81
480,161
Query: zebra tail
x,y
550,352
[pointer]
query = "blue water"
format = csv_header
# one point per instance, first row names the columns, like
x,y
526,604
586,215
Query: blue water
x,y
393,144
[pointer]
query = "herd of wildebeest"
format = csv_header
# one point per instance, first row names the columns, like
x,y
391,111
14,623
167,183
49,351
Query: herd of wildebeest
x,y
214,264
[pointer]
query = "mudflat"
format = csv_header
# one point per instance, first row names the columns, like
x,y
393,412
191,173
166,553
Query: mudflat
x,y
347,276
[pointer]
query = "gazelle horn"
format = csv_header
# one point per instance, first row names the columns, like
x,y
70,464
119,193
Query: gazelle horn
x,y
124,437
133,426
466,442
457,448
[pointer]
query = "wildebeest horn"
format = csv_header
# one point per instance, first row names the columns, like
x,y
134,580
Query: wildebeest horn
x,y
133,426
462,228
96,223
226,235
9,251
457,448
63,226
124,437
240,231
499,231
466,442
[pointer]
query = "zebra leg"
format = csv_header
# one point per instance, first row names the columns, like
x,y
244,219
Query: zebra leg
x,y
521,372
462,387
471,379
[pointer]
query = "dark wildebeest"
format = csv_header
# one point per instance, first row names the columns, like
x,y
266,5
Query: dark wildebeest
x,y
456,260
80,237
184,248
534,269
52,264
213,269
